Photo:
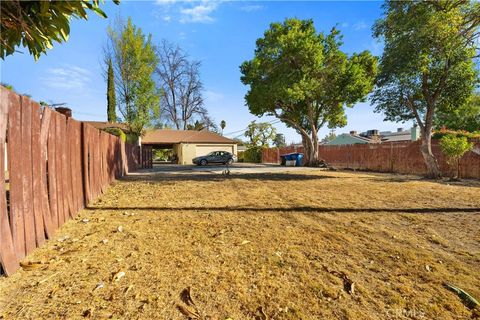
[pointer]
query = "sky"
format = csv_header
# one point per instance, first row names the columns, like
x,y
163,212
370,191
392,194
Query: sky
x,y
220,34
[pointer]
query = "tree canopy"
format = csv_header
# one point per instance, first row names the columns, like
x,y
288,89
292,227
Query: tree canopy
x,y
111,98
260,134
134,62
428,63
304,79
465,117
182,89
36,24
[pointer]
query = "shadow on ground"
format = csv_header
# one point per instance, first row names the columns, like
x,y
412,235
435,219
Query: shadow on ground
x,y
216,176
300,209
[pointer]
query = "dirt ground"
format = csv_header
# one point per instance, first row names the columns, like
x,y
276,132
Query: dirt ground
x,y
287,245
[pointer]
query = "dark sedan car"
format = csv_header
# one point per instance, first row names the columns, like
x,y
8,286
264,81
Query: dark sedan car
x,y
223,157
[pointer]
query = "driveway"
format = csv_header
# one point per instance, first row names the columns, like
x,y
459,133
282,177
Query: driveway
x,y
237,168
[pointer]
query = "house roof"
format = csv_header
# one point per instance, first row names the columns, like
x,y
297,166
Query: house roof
x,y
102,125
167,136
400,136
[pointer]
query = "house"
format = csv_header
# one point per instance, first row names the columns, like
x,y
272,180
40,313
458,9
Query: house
x,y
188,144
348,138
374,136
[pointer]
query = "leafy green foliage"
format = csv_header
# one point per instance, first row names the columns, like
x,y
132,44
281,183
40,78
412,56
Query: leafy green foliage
x,y
454,147
260,134
279,140
253,155
8,86
116,132
36,24
428,63
111,99
465,117
329,137
134,61
304,79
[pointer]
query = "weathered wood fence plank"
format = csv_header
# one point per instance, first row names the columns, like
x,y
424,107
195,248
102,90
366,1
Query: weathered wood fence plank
x,y
8,257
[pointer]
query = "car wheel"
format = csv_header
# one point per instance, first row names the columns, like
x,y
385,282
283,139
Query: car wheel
x,y
230,161
203,162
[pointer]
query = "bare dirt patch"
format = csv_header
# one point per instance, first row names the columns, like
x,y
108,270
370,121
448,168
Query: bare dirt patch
x,y
286,245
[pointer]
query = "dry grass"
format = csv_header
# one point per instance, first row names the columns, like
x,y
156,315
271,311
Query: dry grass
x,y
251,246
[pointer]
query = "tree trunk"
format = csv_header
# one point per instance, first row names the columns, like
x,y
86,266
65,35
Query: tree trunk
x,y
306,150
310,152
433,171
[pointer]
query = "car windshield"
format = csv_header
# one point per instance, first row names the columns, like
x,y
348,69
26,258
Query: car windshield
x,y
211,153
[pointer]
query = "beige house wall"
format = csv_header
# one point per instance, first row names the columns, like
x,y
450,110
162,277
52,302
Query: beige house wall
x,y
187,153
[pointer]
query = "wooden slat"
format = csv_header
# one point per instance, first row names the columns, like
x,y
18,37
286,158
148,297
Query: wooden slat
x,y
73,168
15,171
47,215
8,257
52,171
65,167
27,183
59,168
85,156
36,175
69,167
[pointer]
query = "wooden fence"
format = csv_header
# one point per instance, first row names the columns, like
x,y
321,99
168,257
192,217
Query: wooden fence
x,y
397,157
55,166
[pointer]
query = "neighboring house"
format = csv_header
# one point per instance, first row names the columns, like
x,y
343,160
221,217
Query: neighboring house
x,y
373,136
348,138
188,144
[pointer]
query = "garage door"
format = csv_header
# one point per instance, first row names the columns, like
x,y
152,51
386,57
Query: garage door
x,y
202,150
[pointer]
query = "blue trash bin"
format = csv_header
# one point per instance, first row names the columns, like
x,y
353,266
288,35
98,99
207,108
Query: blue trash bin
x,y
297,157
299,162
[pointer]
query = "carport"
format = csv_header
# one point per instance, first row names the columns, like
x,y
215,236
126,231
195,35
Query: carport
x,y
188,144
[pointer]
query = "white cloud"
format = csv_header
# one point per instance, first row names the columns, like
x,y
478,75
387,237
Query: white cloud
x,y
67,77
360,25
200,13
165,2
212,96
251,8
167,18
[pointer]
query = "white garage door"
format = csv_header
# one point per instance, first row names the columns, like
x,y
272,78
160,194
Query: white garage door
x,y
202,150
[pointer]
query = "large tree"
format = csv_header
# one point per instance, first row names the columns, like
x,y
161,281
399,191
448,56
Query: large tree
x,y
304,79
182,88
465,117
36,24
134,62
427,64
111,99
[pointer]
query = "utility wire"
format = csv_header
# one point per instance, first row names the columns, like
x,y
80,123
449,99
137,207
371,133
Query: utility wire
x,y
243,130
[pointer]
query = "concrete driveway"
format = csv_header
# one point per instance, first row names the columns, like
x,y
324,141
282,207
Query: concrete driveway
x,y
236,168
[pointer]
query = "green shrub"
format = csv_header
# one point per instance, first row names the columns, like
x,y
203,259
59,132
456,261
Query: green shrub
x,y
253,155
117,132
241,156
132,139
454,147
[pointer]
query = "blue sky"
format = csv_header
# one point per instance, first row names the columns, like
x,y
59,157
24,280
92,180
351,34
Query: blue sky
x,y
220,34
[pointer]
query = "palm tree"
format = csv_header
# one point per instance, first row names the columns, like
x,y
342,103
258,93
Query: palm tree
x,y
223,124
